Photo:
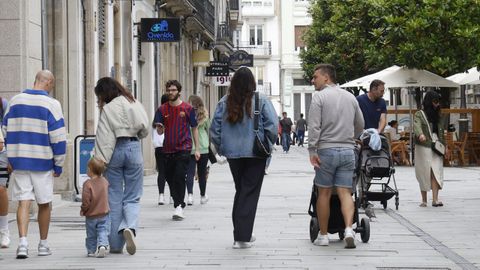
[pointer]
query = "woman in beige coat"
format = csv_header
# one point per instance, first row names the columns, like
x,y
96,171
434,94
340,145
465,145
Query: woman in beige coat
x,y
428,127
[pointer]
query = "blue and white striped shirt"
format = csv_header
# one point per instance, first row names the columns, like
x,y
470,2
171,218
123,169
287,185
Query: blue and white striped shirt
x,y
34,132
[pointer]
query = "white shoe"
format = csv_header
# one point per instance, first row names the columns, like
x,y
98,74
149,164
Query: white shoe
x,y
171,200
161,199
130,241
349,238
190,199
240,245
178,214
266,171
322,240
4,238
101,252
204,199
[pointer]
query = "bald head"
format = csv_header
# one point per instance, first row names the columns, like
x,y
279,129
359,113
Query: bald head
x,y
44,80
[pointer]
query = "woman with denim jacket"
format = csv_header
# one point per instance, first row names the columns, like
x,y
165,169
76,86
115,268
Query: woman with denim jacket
x,y
428,127
232,134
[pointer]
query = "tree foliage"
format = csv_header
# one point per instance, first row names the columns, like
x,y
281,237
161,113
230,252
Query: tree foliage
x,y
362,37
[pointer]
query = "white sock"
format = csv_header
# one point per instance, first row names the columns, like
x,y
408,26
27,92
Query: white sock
x,y
23,241
43,242
4,222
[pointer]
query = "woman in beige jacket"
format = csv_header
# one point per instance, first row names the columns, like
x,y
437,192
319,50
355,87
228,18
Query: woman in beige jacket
x,y
123,122
428,127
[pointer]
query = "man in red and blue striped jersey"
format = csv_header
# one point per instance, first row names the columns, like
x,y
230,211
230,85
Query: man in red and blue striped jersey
x,y
177,119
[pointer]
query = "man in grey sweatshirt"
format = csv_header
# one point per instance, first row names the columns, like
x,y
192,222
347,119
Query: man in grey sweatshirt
x,y
335,120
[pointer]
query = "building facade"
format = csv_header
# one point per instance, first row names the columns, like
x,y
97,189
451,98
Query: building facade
x,y
81,41
297,92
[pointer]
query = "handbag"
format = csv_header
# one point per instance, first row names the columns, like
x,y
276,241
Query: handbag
x,y
437,146
211,154
261,147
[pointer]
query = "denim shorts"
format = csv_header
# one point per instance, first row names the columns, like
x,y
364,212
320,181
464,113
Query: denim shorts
x,y
336,168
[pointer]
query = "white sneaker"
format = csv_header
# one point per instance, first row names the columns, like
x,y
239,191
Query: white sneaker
x,y
190,199
161,199
204,199
4,238
43,250
178,214
171,200
322,240
349,238
240,245
130,241
101,252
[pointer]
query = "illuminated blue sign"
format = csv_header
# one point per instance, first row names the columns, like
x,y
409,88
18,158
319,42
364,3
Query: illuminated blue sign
x,y
160,30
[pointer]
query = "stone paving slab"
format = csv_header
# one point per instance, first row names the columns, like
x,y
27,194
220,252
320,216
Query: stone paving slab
x,y
203,240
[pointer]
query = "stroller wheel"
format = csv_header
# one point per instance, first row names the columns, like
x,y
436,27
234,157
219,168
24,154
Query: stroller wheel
x,y
396,203
341,235
314,229
384,203
365,232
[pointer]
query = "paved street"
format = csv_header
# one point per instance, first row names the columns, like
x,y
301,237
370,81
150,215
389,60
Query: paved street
x,y
410,238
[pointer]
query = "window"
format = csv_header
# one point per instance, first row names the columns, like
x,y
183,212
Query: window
x,y
256,35
299,31
300,82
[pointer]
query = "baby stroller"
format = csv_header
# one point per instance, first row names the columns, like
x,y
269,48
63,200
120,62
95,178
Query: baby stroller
x,y
336,223
375,172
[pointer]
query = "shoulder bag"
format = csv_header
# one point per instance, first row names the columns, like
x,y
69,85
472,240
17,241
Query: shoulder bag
x,y
261,148
437,146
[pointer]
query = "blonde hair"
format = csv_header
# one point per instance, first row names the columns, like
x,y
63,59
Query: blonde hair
x,y
197,104
96,166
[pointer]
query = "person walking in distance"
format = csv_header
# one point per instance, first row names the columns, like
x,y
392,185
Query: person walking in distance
x,y
232,133
335,120
286,124
95,209
301,128
4,177
157,141
203,140
177,118
123,123
34,120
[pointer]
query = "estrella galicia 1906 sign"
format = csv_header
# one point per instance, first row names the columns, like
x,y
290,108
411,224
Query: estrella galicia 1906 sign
x,y
160,29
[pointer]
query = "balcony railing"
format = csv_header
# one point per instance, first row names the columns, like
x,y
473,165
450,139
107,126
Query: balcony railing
x,y
264,49
205,14
224,33
234,5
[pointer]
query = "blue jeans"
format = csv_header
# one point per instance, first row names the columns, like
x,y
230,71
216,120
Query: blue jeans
x,y
286,141
97,232
125,176
300,136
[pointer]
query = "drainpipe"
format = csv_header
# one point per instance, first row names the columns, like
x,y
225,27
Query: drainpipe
x,y
44,35
84,45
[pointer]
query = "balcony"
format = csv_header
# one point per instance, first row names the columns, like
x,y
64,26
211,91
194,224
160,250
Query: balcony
x,y
224,41
263,50
205,14
265,88
258,8
234,10
198,15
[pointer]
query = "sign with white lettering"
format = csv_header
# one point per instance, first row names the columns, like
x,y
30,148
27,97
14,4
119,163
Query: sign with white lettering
x,y
160,30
